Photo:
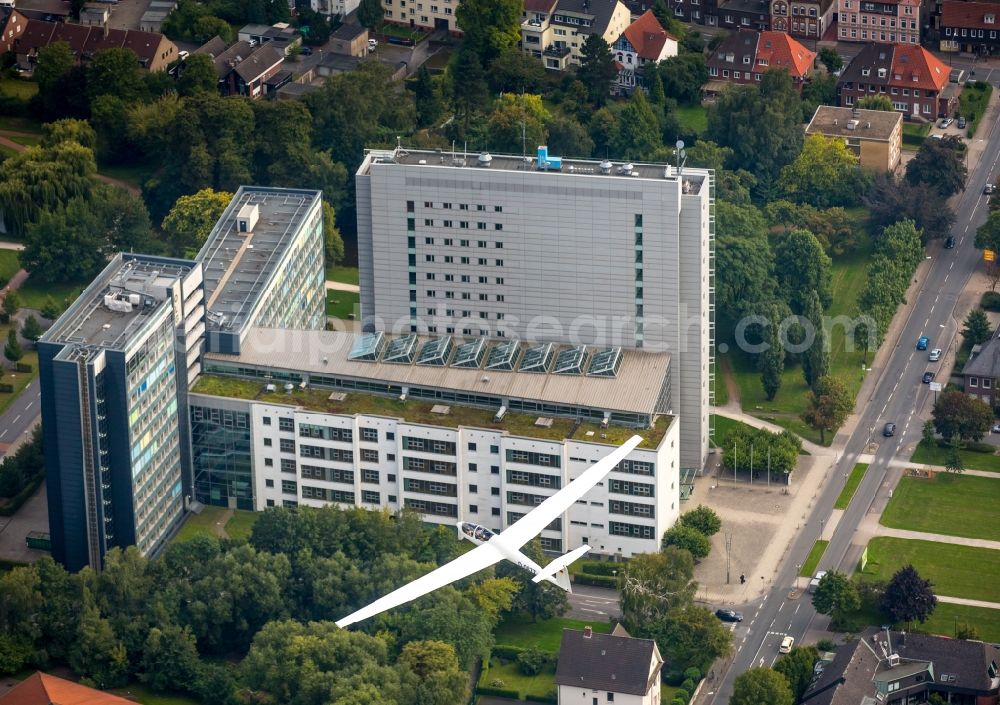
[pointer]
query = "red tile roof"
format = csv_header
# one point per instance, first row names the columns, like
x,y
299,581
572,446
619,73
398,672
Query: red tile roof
x,y
779,49
961,13
43,689
916,67
647,36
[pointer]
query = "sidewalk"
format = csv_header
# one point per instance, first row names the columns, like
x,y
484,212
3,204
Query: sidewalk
x,y
341,286
937,538
865,458
970,603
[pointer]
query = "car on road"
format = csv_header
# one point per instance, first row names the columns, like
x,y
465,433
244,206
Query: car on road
x,y
890,430
934,355
945,122
928,377
949,242
729,615
996,428
922,342
961,123
988,188
306,51
786,645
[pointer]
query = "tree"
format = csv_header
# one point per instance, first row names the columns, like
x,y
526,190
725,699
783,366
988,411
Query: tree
x,y
469,88
657,93
12,350
537,600
370,13
688,538
831,59
816,359
11,302
440,682
829,406
517,122
169,658
31,330
333,243
568,137
97,653
890,201
988,234
61,82
653,584
927,438
427,98
691,636
967,632
115,72
683,76
192,218
825,173
703,519
597,68
518,72
958,414
638,133
797,668
761,686
68,130
197,76
874,102
939,164
804,269
490,27
835,594
908,597
953,460
767,333
977,329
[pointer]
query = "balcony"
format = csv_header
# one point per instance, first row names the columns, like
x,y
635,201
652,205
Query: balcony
x,y
557,50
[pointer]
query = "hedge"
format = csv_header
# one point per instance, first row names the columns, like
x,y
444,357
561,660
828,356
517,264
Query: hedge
x,y
23,367
542,699
499,692
914,140
991,301
506,652
969,446
6,387
21,497
600,567
596,580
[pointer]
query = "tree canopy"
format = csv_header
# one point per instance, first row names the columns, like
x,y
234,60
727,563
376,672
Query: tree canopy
x,y
761,686
908,597
957,414
939,164
825,173
829,405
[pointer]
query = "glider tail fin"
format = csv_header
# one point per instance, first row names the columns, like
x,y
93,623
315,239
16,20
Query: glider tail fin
x,y
557,571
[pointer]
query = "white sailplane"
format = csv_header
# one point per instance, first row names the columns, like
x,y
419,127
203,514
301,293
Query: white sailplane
x,y
492,548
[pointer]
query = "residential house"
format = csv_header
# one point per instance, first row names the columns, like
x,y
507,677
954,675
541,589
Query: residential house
x,y
875,136
982,372
349,40
895,668
43,689
744,56
745,14
280,35
643,42
24,37
705,12
969,27
884,21
555,31
245,70
806,19
910,76
213,47
424,14
596,669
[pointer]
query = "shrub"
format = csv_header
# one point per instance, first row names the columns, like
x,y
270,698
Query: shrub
x,y
601,567
688,685
990,301
682,695
692,673
532,662
553,699
825,645
505,652
596,580
499,692
678,701
6,387
23,367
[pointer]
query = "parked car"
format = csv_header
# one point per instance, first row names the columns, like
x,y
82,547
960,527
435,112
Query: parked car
x,y
934,355
890,430
928,377
988,188
372,44
961,123
786,645
814,583
949,242
729,615
922,342
305,51
996,428
945,122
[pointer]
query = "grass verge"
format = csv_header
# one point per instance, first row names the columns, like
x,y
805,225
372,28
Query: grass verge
x,y
241,524
855,478
947,617
19,88
9,265
957,571
956,505
539,685
344,275
972,103
812,560
544,636
345,305
972,460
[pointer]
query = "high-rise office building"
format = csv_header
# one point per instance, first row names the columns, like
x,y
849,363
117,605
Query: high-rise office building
x,y
546,249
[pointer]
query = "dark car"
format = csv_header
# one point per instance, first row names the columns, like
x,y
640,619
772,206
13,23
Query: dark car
x,y
961,123
928,377
729,615
306,51
949,242
889,430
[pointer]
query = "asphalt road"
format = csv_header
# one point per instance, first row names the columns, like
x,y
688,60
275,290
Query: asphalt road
x,y
20,416
594,603
898,397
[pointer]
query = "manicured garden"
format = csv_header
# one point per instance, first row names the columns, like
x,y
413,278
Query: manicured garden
x,y
544,636
812,560
956,505
344,305
219,522
507,675
972,460
851,486
957,571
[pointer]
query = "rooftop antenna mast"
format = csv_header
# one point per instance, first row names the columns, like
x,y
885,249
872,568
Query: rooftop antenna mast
x,y
681,157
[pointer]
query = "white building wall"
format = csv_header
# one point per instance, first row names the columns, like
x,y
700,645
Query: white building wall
x,y
571,695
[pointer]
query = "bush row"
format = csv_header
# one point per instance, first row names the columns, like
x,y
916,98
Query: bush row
x,y
604,581
18,500
498,692
600,567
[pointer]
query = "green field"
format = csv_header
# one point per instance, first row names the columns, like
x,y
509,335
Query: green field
x,y
241,524
18,88
972,460
344,305
957,571
956,505
8,265
855,478
34,293
19,380
210,523
344,275
947,616
972,103
544,636
538,685
693,118
791,400
812,560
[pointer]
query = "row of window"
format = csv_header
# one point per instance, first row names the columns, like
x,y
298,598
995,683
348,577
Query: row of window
x,y
972,33
341,455
462,225
534,479
533,458
411,206
284,423
892,90
428,445
903,38
448,259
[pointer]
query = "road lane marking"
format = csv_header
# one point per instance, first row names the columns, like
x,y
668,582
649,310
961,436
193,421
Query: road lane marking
x,y
29,405
797,608
16,418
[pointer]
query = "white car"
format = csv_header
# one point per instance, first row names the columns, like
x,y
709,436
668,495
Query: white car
x,y
934,355
372,44
786,645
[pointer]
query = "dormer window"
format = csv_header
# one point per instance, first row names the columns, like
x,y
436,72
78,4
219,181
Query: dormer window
x,y
865,72
746,59
881,73
989,19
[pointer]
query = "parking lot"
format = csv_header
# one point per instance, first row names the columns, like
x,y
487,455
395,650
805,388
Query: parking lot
x,y
127,13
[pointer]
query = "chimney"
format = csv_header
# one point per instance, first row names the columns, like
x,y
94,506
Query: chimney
x,y
588,632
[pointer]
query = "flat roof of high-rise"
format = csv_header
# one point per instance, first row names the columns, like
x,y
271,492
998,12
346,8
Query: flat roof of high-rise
x,y
693,178
237,265
115,306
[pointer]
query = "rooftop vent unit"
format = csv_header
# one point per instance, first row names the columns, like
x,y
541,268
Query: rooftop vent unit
x,y
606,167
484,160
498,417
544,422
247,218
289,388
893,659
270,388
852,124
337,396
626,169
120,303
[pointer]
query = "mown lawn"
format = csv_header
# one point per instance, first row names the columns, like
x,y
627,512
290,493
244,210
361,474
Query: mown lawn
x,y
538,685
344,275
693,118
972,460
972,103
957,571
812,560
20,124
9,265
947,616
845,360
241,524
544,636
344,305
18,87
956,505
26,140
33,293
855,478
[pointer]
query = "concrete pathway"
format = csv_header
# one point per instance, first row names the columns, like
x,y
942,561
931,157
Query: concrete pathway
x,y
341,286
970,603
938,538
934,468
11,246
